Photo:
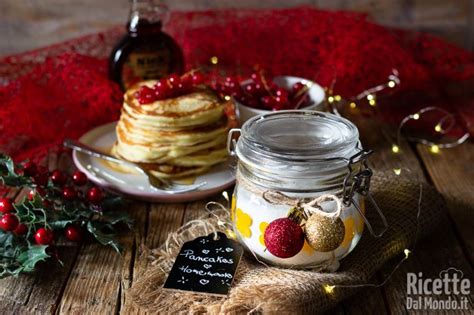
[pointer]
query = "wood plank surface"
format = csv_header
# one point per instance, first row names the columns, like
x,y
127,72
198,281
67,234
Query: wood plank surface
x,y
452,173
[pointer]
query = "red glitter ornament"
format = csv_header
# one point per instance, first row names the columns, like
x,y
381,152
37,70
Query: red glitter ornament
x,y
284,238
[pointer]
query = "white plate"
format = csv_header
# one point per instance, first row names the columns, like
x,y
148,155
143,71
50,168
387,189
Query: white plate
x,y
136,185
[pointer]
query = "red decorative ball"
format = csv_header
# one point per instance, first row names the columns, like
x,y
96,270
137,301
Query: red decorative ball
x,y
284,238
21,229
95,195
58,178
79,178
73,233
6,205
69,193
44,236
30,169
8,222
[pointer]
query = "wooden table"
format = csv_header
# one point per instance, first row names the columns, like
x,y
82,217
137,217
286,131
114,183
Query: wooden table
x,y
93,279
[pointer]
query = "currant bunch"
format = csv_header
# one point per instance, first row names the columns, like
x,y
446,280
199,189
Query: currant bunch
x,y
170,87
259,91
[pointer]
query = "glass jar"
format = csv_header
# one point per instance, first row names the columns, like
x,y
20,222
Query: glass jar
x,y
301,155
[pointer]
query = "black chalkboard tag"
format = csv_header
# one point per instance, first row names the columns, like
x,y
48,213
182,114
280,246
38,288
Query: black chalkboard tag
x,y
205,265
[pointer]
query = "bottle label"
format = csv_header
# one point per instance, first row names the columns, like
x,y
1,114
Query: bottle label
x,y
144,64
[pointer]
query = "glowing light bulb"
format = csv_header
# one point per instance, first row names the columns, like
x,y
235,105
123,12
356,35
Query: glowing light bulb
x,y
434,149
330,99
397,171
372,102
337,98
329,289
391,84
214,60
227,97
416,116
438,128
395,148
370,97
352,105
407,252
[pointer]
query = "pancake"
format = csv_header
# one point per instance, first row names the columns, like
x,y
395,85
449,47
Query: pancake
x,y
173,138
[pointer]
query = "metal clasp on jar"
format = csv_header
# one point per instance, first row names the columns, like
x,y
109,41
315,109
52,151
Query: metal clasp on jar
x,y
231,141
358,181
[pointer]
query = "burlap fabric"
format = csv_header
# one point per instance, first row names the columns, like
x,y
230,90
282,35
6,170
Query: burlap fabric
x,y
262,289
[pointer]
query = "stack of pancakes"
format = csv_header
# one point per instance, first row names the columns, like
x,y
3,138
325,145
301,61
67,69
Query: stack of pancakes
x,y
174,138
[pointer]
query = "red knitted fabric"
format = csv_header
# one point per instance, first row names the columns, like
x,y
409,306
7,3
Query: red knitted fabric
x,y
63,90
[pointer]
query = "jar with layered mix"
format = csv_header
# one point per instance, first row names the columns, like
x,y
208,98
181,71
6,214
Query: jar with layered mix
x,y
293,165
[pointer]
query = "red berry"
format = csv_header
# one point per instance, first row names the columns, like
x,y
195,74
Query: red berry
x,y
44,236
6,205
73,233
255,76
281,92
197,78
298,86
38,190
8,222
250,88
69,193
58,178
231,83
161,89
174,79
30,169
21,229
259,89
268,101
79,178
41,179
284,238
95,195
145,95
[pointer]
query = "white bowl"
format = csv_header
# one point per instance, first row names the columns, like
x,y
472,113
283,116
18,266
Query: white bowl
x,y
316,97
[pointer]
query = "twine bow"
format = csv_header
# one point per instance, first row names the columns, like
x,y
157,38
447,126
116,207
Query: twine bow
x,y
312,207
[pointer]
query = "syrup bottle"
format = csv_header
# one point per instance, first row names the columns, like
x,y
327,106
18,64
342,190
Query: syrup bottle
x,y
146,52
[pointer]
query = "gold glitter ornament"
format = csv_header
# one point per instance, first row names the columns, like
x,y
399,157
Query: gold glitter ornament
x,y
323,233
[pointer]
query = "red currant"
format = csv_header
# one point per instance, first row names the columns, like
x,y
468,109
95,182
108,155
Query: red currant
x,y
197,78
44,236
259,89
268,101
30,169
145,95
174,79
58,178
79,178
6,205
8,222
281,92
231,83
95,195
298,86
255,76
73,233
69,193
250,88
161,89
21,229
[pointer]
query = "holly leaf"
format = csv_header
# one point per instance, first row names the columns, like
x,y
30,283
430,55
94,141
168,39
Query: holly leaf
x,y
114,217
60,224
98,230
8,175
29,258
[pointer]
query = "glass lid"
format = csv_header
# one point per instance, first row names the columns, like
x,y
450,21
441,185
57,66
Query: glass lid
x,y
301,135
298,145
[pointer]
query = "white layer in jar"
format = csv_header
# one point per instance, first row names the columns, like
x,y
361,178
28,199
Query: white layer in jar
x,y
251,215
